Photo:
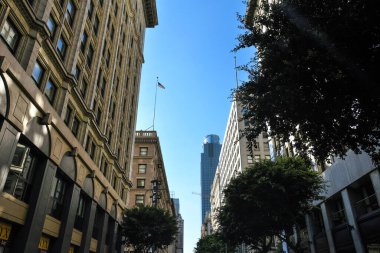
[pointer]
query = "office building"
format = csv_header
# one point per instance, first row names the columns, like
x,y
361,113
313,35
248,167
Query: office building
x,y
235,156
148,168
180,222
69,86
209,162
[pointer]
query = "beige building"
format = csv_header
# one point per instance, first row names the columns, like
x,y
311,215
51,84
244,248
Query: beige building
x,y
69,85
148,165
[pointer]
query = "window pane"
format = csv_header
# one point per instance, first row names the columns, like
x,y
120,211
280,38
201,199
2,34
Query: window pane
x,y
10,34
62,46
140,183
38,72
68,115
75,126
52,25
142,168
50,91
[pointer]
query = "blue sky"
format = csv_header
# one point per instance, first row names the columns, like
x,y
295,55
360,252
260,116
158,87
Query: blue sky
x,y
190,52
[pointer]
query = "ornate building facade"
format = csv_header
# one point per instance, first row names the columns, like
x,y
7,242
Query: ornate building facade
x,y
69,86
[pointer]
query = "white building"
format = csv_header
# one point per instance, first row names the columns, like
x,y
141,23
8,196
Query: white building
x,y
234,157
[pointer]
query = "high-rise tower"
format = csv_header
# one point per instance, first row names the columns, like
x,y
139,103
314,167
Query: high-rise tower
x,y
209,162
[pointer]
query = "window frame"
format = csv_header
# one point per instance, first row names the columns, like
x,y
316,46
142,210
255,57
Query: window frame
x,y
12,27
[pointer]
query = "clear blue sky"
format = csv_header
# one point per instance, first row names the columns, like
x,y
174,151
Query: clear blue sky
x,y
190,52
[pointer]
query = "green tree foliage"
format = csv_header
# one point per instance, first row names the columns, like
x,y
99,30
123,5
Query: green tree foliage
x,y
213,243
267,199
315,74
146,227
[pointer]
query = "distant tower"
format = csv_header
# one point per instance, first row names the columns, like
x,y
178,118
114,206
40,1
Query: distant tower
x,y
209,162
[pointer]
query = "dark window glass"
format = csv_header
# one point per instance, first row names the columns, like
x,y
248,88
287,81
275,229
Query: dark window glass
x,y
83,41
57,196
96,25
62,47
142,169
50,91
97,225
77,72
112,32
83,87
70,12
10,34
103,87
92,152
140,183
52,25
90,9
98,115
20,175
101,2
90,55
108,58
79,218
140,200
75,126
143,151
38,73
68,115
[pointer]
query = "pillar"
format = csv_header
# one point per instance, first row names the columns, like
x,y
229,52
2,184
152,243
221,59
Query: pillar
x,y
62,243
327,224
88,225
30,234
310,232
356,238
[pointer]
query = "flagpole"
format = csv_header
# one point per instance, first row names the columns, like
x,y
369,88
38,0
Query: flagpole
x,y
155,101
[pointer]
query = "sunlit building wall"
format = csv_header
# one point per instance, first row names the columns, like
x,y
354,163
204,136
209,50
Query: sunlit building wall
x,y
69,85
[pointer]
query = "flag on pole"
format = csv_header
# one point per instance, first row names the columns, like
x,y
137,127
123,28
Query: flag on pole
x,y
160,85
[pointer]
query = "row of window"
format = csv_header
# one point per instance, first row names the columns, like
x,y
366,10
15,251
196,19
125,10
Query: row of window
x,y
257,158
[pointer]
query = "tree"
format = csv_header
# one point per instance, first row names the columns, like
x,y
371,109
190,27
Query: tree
x,y
146,227
268,199
314,75
213,243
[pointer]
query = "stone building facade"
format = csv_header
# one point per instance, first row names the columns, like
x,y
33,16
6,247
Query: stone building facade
x,y
69,85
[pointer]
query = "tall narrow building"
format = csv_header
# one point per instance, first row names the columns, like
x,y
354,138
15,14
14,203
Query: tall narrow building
x,y
69,86
209,162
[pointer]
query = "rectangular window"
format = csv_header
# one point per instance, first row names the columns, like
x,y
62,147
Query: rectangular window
x,y
267,157
62,47
79,218
10,34
140,200
96,25
57,197
52,25
77,72
112,32
143,151
140,183
98,116
90,9
75,126
257,158
70,12
20,175
83,41
83,88
90,55
69,111
38,73
250,159
266,145
50,91
142,169
103,87
92,152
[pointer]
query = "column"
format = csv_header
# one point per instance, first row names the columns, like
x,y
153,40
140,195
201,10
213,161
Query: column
x,y
375,178
88,225
113,237
310,232
30,234
9,137
327,224
359,247
62,243
101,236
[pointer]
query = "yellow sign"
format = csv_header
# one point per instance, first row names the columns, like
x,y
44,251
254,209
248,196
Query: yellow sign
x,y
44,243
5,231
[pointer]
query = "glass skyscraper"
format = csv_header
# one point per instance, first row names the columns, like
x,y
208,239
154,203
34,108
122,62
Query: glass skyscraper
x,y
209,162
